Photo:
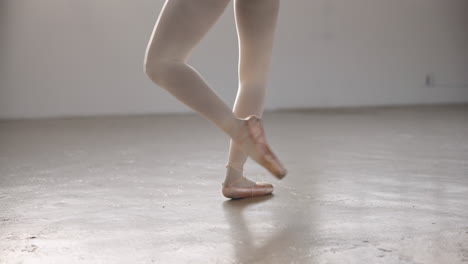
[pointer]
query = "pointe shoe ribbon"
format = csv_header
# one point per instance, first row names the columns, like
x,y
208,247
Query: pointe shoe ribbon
x,y
254,144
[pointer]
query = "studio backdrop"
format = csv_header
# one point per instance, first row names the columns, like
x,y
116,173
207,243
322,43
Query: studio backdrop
x,y
81,58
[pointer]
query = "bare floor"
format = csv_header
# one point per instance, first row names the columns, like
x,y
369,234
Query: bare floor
x,y
385,185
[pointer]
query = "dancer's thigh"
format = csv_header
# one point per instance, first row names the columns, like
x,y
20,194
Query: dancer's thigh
x,y
180,27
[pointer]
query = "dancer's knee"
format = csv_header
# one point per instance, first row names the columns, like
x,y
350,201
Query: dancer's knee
x,y
153,70
159,70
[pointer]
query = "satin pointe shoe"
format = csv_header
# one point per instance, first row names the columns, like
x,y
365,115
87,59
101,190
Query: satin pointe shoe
x,y
259,189
254,145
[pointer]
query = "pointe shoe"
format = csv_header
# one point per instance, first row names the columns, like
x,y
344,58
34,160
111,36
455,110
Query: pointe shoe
x,y
259,189
254,144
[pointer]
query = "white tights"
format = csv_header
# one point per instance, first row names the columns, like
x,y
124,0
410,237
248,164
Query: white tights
x,y
180,27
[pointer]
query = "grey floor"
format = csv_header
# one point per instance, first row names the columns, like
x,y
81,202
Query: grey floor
x,y
385,185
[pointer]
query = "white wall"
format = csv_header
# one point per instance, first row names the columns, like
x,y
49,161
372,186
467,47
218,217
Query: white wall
x,y
71,58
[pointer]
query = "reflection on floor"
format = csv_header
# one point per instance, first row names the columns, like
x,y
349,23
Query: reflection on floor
x,y
383,185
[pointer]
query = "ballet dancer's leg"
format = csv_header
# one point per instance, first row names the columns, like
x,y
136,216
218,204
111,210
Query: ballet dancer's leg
x,y
179,28
256,23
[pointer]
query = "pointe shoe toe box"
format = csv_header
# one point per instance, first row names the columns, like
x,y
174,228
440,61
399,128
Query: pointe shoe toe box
x,y
261,152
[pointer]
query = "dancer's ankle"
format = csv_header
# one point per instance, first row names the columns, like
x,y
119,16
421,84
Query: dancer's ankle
x,y
236,176
238,166
236,129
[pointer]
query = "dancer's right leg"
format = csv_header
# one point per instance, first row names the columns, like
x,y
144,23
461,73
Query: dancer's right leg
x,y
179,28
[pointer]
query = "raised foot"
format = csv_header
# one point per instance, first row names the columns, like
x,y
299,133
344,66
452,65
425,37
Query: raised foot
x,y
252,142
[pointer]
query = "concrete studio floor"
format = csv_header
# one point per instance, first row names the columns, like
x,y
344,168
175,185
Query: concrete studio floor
x,y
375,185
